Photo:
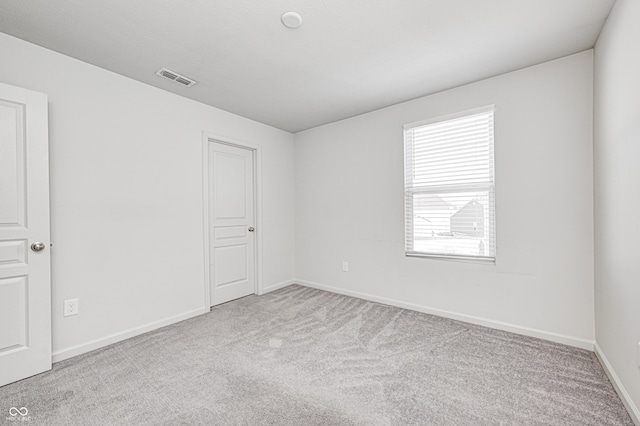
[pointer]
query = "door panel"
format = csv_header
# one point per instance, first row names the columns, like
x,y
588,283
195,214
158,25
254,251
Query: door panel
x,y
231,214
12,176
13,313
13,253
230,173
25,281
230,265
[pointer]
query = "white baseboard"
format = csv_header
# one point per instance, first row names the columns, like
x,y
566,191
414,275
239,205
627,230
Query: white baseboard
x,y
631,407
532,332
136,331
127,334
273,287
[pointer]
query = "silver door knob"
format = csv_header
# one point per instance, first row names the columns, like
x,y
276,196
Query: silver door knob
x,y
37,246
251,229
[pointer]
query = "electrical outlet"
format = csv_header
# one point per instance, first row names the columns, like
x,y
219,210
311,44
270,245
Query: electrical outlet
x,y
71,307
345,266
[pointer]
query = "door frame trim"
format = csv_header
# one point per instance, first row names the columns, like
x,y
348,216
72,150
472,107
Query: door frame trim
x,y
208,137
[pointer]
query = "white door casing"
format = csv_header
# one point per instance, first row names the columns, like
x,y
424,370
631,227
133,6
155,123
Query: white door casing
x,y
232,229
25,277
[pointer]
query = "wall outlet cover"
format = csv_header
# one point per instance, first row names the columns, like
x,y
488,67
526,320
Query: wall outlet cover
x,y
71,307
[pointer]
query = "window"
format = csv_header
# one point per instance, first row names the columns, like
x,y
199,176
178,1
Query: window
x,y
449,187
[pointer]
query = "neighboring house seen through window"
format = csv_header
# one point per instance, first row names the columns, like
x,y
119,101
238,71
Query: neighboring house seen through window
x,y
449,187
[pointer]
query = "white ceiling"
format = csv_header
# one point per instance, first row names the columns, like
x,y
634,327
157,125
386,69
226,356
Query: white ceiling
x,y
349,56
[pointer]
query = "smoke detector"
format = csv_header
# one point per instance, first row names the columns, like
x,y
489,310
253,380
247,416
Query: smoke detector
x,y
291,20
175,77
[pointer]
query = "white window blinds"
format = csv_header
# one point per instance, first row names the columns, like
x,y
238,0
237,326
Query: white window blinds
x,y
449,187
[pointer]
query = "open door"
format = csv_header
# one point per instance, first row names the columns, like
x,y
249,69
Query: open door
x,y
25,277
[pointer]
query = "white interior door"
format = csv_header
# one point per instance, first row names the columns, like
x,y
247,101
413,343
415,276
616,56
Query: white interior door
x,y
25,280
231,221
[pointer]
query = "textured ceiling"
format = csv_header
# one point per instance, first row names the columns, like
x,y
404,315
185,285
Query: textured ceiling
x,y
349,57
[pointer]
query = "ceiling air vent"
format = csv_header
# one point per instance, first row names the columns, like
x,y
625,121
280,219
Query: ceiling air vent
x,y
175,77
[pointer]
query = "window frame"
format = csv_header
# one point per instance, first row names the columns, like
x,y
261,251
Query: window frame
x,y
489,187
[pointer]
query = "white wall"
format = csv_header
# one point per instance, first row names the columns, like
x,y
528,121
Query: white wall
x,y
349,206
126,196
617,194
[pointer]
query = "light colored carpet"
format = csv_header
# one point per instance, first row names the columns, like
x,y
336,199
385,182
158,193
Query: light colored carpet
x,y
300,356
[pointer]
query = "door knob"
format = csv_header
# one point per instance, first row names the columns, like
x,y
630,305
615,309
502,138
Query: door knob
x,y
251,229
37,246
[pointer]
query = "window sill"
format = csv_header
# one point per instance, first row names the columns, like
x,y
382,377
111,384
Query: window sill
x,y
469,259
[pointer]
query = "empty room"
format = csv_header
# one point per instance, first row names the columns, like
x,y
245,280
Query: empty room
x,y
320,212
